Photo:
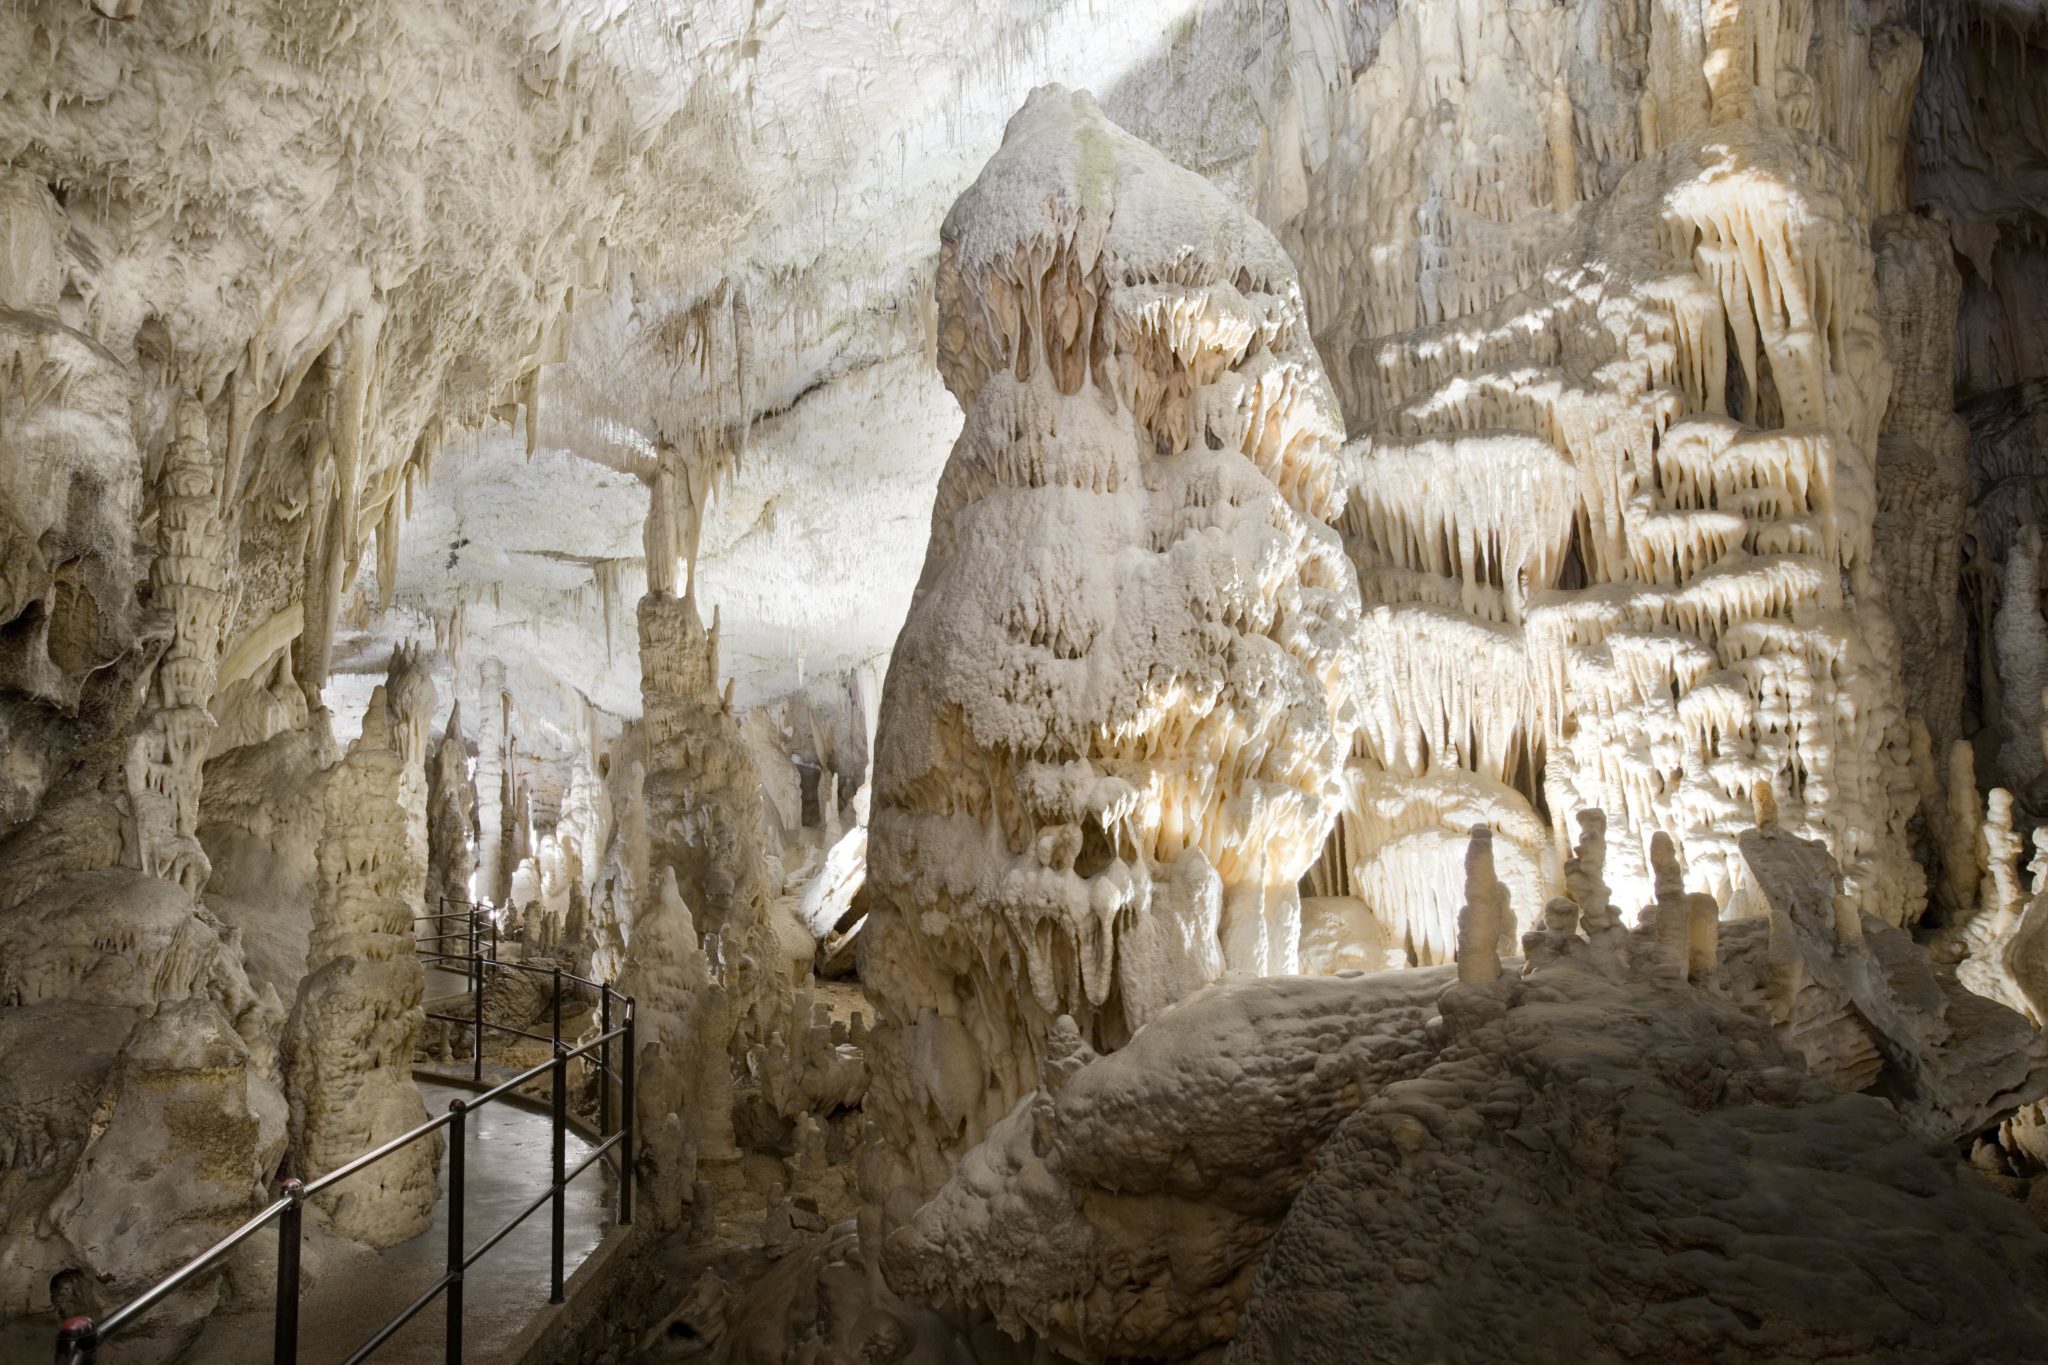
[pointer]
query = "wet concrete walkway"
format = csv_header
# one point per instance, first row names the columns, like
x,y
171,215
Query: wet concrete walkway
x,y
351,1291
509,1159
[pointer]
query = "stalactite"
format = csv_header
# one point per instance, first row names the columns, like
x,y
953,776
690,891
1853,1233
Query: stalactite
x,y
1644,581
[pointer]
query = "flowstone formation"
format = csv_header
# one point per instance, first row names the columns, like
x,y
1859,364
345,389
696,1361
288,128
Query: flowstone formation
x,y
1114,723
350,1041
1665,1133
1651,1163
1611,323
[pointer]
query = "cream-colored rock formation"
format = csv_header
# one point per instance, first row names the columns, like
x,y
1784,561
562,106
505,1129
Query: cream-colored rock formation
x,y
357,1021
1113,727
451,828
1640,1186
684,1104
1611,339
1465,775
1125,1206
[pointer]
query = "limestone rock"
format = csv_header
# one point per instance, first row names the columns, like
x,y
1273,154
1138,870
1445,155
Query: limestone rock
x,y
184,1141
349,1044
1114,723
1649,1165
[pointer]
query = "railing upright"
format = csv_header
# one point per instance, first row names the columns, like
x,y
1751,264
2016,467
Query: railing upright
x,y
476,1040
457,1130
284,1349
561,1186
626,1116
555,1027
604,1062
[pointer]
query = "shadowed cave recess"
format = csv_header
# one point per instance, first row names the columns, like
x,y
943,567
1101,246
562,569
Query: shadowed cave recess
x,y
1244,682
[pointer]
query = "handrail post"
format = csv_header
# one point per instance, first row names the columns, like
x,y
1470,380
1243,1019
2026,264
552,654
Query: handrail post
x,y
626,1113
284,1348
476,1044
560,1200
556,1039
76,1340
604,1062
457,1124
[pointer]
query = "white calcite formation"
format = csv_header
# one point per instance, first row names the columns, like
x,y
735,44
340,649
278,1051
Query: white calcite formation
x,y
184,1109
702,819
451,830
186,581
261,817
1611,336
1113,727
1413,852
1382,1130
350,1041
684,1015
1119,1209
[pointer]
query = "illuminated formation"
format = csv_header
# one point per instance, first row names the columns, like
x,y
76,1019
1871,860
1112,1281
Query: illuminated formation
x,y
1235,682
1113,727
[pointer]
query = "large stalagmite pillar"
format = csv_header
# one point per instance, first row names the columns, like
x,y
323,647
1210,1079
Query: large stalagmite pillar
x,y
1114,723
167,757
703,811
349,1044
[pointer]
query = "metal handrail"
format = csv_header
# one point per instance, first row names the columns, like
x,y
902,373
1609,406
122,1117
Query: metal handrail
x,y
79,1337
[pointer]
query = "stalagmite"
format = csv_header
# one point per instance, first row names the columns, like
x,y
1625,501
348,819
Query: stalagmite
x,y
1999,894
493,874
1113,726
186,582
451,825
349,1044
1669,918
1961,860
409,704
703,818
1585,877
685,1013
1480,922
1703,938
